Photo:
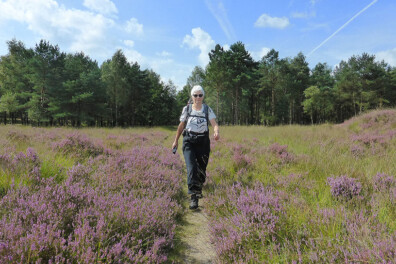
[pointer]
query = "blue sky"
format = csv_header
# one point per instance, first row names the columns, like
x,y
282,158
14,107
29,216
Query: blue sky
x,y
173,36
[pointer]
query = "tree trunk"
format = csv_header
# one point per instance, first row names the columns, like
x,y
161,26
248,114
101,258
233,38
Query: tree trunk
x,y
236,107
361,103
42,97
311,117
354,103
252,108
116,115
217,103
116,107
273,101
232,112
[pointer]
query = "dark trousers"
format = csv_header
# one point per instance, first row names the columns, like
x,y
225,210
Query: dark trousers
x,y
196,150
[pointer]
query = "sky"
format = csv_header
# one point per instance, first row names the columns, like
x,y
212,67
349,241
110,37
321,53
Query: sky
x,y
172,37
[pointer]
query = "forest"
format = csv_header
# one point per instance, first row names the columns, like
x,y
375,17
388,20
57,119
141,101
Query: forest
x,y
43,86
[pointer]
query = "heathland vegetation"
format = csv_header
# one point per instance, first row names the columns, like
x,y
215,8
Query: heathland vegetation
x,y
279,193
89,196
282,194
45,86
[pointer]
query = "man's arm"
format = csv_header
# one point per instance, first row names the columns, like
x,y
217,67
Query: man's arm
x,y
179,131
215,126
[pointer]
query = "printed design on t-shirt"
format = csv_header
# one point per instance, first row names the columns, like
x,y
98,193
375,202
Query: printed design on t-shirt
x,y
197,124
197,120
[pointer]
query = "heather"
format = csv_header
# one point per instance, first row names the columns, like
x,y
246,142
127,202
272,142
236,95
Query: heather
x,y
318,194
105,204
285,194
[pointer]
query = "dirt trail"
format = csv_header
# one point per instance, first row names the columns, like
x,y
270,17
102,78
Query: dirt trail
x,y
196,237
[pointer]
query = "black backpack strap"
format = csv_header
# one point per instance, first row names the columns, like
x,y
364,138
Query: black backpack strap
x,y
187,116
206,111
189,109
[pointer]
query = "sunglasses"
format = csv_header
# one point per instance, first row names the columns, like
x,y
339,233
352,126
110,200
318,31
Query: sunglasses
x,y
196,95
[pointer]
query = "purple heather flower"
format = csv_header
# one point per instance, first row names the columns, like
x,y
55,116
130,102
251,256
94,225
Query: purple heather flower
x,y
101,211
383,182
344,186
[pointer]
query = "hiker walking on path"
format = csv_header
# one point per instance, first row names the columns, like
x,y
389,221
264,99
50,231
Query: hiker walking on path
x,y
194,122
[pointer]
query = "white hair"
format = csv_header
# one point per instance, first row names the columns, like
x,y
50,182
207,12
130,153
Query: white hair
x,y
197,88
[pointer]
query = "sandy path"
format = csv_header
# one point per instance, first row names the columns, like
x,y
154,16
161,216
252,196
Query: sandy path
x,y
196,236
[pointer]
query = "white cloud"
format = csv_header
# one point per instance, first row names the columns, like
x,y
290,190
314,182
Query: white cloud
x,y
273,22
258,55
25,10
226,47
76,29
389,56
105,7
202,40
170,70
129,43
134,56
264,51
176,72
164,54
134,27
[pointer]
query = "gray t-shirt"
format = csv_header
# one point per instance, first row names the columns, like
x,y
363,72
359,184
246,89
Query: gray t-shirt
x,y
196,121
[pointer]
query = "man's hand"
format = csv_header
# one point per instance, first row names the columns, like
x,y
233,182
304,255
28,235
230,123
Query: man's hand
x,y
215,126
175,144
216,135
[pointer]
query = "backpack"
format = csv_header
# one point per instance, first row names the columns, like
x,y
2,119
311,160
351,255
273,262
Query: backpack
x,y
205,110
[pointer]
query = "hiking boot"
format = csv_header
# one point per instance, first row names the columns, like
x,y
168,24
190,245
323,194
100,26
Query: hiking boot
x,y
194,202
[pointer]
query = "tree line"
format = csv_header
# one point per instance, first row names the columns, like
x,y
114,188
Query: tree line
x,y
278,90
44,86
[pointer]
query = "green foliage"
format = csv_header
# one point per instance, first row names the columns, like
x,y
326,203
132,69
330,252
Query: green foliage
x,y
182,97
44,86
8,103
36,112
362,83
217,82
46,75
282,82
82,95
197,77
311,102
